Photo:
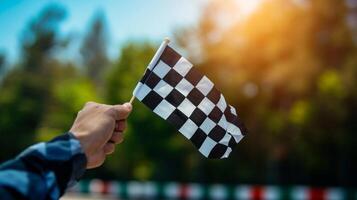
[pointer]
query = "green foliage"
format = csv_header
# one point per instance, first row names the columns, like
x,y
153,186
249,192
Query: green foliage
x,y
25,91
69,96
297,55
123,77
330,84
21,111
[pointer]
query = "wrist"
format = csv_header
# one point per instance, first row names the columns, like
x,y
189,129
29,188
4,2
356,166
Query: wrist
x,y
81,139
79,159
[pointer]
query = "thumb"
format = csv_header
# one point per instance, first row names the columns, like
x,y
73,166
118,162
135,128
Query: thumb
x,y
122,111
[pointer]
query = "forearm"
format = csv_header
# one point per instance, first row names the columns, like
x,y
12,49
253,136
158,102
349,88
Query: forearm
x,y
43,171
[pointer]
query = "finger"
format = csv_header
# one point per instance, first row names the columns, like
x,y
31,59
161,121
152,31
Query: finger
x,y
96,159
121,111
117,137
109,148
120,126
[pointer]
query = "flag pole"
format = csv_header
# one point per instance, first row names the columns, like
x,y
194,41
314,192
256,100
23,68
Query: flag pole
x,y
153,61
132,99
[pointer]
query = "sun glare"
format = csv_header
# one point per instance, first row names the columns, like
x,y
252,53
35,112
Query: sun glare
x,y
247,7
233,11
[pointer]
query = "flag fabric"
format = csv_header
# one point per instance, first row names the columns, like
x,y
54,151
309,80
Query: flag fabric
x,y
177,92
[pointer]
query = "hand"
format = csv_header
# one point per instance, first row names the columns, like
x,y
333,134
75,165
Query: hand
x,y
99,127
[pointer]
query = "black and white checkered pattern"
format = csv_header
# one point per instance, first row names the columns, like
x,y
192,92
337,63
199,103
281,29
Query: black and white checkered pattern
x,y
180,94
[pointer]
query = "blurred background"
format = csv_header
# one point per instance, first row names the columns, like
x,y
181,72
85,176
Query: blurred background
x,y
288,66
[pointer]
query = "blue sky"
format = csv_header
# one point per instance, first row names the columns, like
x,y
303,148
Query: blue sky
x,y
131,19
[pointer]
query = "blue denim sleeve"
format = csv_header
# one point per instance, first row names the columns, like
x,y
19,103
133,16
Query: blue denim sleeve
x,y
44,170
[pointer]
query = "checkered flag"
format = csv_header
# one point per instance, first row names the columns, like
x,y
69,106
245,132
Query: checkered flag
x,y
181,95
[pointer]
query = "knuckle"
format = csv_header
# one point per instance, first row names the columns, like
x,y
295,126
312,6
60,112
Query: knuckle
x,y
112,112
91,104
88,103
108,111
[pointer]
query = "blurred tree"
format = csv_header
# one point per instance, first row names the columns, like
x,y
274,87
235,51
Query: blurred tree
x,y
274,66
25,91
2,66
2,63
40,40
71,91
94,48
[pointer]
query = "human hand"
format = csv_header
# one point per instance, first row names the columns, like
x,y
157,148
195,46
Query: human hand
x,y
99,127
